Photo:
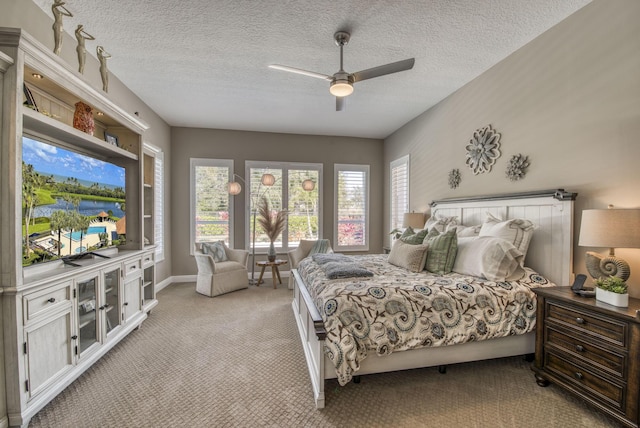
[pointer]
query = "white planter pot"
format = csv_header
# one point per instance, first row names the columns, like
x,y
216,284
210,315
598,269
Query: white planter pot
x,y
615,299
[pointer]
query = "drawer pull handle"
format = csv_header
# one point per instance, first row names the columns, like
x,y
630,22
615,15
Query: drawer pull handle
x,y
51,299
580,320
74,337
579,375
125,304
579,348
101,308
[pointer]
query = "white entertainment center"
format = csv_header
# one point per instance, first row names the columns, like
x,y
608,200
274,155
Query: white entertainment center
x,y
58,318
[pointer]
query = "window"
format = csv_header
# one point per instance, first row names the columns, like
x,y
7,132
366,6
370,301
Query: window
x,y
211,210
158,200
351,207
399,191
304,219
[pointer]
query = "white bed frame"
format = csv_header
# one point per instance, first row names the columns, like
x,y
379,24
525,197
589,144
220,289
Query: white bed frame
x,y
550,254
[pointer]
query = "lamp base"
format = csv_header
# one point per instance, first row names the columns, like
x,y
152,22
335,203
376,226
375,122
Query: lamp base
x,y
599,266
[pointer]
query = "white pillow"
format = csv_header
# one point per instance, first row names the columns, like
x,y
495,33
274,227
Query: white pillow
x,y
409,256
492,258
465,231
517,231
440,223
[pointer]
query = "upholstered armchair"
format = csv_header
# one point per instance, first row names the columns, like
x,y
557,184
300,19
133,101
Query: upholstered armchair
x,y
303,250
215,278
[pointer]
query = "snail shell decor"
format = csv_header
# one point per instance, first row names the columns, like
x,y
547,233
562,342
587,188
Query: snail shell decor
x,y
600,266
483,150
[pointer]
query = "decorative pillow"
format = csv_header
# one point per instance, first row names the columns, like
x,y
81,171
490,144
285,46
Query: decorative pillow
x,y
408,256
415,238
465,231
440,223
517,231
442,252
216,249
487,257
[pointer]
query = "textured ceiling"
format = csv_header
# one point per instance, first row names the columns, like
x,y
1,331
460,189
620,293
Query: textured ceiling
x,y
202,63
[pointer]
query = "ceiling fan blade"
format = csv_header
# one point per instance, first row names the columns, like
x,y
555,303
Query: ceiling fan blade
x,y
301,71
381,70
341,103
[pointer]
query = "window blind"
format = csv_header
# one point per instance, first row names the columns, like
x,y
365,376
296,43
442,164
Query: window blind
x,y
399,191
352,207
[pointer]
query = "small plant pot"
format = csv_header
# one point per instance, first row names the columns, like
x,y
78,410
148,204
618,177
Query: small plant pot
x,y
615,299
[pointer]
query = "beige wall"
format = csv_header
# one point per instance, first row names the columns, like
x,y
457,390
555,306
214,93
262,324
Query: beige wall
x,y
25,14
570,100
260,146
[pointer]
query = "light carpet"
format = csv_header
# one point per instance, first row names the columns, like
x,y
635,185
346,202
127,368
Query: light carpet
x,y
236,361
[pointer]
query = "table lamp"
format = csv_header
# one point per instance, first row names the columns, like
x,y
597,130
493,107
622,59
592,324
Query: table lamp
x,y
413,220
613,228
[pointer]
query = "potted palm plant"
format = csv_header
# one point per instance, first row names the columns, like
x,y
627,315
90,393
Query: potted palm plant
x,y
612,290
272,224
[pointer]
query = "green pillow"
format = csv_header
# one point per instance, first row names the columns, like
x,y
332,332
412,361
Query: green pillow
x,y
413,237
442,252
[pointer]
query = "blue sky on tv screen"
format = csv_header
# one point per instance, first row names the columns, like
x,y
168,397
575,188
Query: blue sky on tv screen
x,y
48,159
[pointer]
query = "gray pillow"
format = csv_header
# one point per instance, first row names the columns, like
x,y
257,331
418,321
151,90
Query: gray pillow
x,y
216,250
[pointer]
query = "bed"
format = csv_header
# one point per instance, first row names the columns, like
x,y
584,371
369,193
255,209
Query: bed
x,y
548,261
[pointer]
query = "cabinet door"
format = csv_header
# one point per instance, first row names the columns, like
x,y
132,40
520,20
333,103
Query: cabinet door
x,y
87,292
132,299
110,305
49,351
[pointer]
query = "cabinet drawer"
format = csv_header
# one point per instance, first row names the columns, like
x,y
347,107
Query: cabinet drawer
x,y
611,362
132,267
595,325
588,383
44,301
147,259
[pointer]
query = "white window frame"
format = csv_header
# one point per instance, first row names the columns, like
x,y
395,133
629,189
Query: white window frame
x,y
337,168
396,218
158,200
285,167
195,162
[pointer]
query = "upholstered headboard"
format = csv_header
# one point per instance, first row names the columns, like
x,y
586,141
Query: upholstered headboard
x,y
551,249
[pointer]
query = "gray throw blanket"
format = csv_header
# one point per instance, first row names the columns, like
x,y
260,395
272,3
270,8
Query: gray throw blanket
x,y
338,265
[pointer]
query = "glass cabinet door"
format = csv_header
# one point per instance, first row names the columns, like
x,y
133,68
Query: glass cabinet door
x,y
87,291
111,304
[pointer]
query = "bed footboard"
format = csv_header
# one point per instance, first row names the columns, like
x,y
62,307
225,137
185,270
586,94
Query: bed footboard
x,y
312,335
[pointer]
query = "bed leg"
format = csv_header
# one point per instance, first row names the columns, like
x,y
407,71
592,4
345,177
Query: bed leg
x,y
356,379
529,358
442,369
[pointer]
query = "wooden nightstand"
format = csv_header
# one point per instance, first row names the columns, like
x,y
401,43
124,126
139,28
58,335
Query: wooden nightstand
x,y
591,349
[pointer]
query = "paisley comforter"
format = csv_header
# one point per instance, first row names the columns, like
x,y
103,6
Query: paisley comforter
x,y
396,309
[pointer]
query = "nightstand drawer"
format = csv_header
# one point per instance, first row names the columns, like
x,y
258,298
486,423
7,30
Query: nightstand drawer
x,y
599,388
610,362
597,326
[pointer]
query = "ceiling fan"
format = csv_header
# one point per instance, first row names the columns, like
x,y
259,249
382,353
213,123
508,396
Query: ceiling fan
x,y
342,82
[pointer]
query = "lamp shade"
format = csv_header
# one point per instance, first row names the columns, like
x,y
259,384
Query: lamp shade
x,y
234,188
612,228
413,220
308,185
268,179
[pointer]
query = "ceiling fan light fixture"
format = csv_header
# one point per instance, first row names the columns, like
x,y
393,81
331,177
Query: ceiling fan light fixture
x,y
341,88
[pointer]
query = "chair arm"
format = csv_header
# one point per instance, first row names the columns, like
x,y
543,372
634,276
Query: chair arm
x,y
205,263
295,256
240,256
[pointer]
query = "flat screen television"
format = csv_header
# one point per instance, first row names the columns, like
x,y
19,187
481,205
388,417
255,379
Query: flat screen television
x,y
72,204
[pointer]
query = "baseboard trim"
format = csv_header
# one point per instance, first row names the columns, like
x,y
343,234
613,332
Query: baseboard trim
x,y
177,279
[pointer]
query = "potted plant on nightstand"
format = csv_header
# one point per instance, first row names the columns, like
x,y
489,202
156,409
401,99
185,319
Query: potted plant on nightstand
x,y
612,290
